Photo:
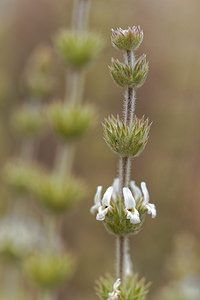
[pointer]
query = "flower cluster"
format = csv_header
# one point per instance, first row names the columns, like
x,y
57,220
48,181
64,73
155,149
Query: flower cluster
x,y
135,206
128,39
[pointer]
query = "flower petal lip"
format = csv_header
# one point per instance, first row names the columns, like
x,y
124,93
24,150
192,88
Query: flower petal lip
x,y
128,198
136,190
102,213
105,205
133,215
115,293
116,188
97,200
151,209
145,192
107,196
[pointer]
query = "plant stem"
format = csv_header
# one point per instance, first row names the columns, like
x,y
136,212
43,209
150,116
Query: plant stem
x,y
124,172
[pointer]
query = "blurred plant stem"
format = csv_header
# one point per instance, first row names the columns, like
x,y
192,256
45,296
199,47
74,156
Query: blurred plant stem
x,y
74,86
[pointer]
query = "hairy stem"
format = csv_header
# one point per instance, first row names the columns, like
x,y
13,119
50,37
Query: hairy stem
x,y
124,172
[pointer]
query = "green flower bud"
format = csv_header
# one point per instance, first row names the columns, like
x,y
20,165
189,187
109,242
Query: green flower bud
x,y
19,176
38,73
28,121
71,122
126,76
126,140
49,270
78,50
57,195
127,40
132,288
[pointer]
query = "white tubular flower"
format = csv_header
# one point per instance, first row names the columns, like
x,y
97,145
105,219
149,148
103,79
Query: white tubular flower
x,y
151,209
105,206
97,200
130,208
115,293
116,188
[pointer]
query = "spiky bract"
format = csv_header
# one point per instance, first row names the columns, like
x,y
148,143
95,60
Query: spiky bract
x,y
78,49
57,194
126,140
127,76
71,122
49,270
131,289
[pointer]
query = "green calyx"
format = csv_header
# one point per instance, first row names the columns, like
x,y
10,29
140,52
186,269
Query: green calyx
x,y
116,221
39,73
131,77
126,140
131,289
127,40
78,50
28,121
71,122
49,270
57,194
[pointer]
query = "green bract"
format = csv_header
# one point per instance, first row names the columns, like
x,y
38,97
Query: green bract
x,y
28,121
57,194
127,40
131,289
78,50
71,121
126,140
49,270
127,76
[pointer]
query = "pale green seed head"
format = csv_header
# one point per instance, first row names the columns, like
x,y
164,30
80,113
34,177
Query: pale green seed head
x,y
127,40
49,270
126,140
71,122
56,194
39,77
78,49
19,176
127,76
28,121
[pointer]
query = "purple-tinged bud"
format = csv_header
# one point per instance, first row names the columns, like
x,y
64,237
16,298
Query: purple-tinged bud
x,y
128,39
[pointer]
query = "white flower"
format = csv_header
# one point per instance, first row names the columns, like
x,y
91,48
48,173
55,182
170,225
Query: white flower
x,y
151,209
97,200
116,189
115,293
105,204
130,208
136,191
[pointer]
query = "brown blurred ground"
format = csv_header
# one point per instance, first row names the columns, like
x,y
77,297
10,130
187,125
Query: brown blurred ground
x,y
170,163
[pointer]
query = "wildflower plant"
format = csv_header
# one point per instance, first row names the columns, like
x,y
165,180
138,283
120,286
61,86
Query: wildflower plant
x,y
124,205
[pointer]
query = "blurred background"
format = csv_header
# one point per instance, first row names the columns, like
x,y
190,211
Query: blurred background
x,y
170,164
